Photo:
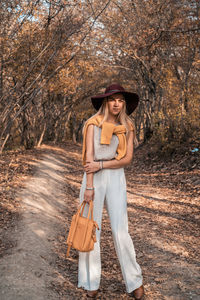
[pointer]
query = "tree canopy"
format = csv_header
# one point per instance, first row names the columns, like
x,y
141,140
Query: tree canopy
x,y
56,54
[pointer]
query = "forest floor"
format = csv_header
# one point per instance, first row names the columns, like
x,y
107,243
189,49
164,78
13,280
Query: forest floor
x,y
39,194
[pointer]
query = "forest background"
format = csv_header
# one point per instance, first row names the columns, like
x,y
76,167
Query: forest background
x,y
55,54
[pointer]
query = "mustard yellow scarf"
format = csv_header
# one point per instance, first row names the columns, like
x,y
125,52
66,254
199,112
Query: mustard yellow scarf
x,y
108,129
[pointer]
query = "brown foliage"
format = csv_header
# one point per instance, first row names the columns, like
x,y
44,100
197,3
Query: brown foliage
x,y
54,56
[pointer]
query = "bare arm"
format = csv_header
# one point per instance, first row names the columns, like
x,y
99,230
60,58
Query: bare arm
x,y
89,194
93,166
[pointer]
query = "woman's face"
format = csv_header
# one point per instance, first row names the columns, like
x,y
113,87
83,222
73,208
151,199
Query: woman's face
x,y
115,104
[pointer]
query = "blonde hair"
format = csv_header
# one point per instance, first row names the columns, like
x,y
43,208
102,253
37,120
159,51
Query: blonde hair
x,y
122,118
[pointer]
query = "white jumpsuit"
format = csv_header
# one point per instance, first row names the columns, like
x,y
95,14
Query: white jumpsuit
x,y
110,185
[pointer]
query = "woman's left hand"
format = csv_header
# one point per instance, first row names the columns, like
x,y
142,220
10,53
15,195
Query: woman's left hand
x,y
91,167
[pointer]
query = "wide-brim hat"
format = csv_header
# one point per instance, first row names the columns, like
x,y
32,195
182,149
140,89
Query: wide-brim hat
x,y
131,99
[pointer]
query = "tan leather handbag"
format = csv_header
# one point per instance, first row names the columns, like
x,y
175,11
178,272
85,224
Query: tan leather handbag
x,y
82,233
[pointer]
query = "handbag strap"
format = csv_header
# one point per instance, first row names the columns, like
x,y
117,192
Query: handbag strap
x,y
81,208
90,211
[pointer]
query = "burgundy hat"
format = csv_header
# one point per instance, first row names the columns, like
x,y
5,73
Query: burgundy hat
x,y
131,99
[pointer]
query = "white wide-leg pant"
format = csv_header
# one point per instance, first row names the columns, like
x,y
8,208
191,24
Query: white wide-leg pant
x,y
110,184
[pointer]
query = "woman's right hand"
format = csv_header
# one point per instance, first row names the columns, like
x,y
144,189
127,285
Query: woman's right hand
x,y
92,167
88,195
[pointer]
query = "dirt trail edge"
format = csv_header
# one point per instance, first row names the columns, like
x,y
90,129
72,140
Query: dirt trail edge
x,y
27,272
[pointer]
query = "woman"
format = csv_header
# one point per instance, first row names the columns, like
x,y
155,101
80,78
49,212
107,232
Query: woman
x,y
108,147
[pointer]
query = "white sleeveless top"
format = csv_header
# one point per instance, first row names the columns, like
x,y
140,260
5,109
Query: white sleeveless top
x,y
104,152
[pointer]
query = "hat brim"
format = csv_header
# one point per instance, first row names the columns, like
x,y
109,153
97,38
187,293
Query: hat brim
x,y
131,99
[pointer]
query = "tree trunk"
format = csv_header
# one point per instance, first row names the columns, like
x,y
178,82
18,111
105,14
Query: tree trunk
x,y
4,143
42,136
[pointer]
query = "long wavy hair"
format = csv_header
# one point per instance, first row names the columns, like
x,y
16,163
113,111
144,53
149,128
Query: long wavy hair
x,y
122,117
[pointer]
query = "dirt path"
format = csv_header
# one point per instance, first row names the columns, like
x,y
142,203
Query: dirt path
x,y
28,271
162,223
